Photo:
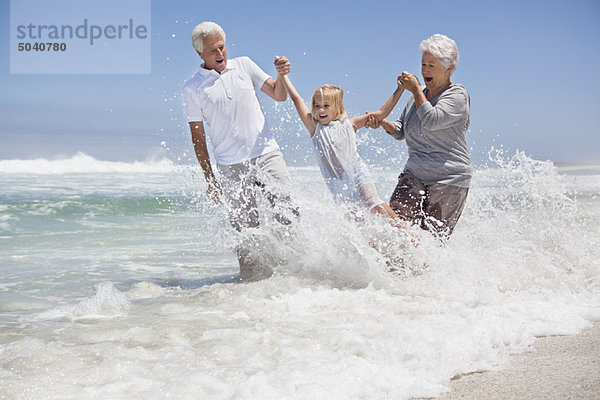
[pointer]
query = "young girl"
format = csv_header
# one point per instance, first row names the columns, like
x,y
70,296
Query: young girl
x,y
333,135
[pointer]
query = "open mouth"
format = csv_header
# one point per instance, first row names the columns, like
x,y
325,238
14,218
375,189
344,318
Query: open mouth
x,y
428,79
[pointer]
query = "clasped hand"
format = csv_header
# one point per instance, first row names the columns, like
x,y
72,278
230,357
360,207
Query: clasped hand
x,y
282,65
409,82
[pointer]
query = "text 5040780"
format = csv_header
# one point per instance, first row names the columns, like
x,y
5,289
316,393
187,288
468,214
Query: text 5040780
x,y
42,46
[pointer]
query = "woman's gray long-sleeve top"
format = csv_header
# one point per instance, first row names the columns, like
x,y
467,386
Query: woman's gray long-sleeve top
x,y
435,134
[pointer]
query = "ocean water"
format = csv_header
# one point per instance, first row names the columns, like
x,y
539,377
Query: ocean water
x,y
119,281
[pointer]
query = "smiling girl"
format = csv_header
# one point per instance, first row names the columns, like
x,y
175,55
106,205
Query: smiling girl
x,y
333,136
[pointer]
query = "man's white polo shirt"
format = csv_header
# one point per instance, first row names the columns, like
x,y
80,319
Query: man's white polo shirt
x,y
228,104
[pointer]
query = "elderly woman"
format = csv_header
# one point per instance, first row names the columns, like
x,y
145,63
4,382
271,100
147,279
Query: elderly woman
x,y
433,188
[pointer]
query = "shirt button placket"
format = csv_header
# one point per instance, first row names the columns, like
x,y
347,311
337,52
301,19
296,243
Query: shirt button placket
x,y
225,80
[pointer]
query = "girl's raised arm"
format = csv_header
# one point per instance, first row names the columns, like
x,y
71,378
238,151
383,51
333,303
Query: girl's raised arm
x,y
361,120
303,110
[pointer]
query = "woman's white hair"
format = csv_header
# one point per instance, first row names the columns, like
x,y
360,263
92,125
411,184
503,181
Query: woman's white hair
x,y
443,48
203,30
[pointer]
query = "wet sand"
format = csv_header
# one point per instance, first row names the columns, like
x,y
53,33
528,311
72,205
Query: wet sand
x,y
554,368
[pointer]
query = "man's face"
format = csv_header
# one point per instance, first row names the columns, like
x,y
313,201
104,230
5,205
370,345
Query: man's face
x,y
214,53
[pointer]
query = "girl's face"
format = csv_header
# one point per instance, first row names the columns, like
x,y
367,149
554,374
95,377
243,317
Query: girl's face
x,y
324,111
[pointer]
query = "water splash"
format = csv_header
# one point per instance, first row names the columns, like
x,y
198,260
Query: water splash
x,y
332,321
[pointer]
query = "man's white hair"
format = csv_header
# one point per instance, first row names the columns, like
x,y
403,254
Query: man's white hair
x,y
203,30
443,48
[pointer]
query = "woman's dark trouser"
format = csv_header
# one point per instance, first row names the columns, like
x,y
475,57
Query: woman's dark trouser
x,y
433,206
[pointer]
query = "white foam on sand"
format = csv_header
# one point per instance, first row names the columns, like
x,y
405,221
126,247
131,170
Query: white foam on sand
x,y
553,368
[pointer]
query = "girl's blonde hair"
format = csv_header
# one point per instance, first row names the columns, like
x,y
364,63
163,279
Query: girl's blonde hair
x,y
336,100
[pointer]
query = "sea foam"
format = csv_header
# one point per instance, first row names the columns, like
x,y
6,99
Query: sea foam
x,y
83,163
134,309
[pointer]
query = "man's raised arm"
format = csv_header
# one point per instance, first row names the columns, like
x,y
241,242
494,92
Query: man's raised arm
x,y
276,88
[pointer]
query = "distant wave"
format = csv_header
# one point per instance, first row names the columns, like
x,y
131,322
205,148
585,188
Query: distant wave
x,y
83,163
578,169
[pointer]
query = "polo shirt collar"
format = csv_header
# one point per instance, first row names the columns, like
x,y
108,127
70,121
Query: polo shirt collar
x,y
208,72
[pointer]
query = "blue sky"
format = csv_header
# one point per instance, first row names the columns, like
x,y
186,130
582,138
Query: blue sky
x,y
529,66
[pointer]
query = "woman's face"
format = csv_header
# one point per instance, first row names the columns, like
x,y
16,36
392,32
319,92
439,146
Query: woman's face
x,y
435,75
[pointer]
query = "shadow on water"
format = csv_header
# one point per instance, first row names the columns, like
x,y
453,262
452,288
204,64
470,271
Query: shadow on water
x,y
190,284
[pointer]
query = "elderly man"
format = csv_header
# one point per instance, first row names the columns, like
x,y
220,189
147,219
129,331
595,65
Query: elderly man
x,y
222,95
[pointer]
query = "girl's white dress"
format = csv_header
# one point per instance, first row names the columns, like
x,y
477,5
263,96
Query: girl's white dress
x,y
345,172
